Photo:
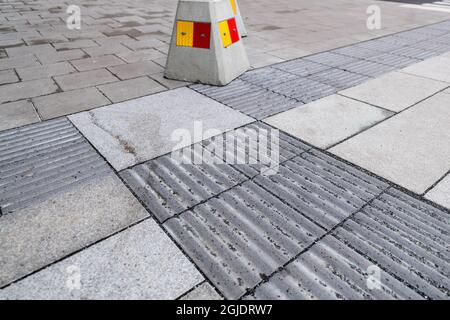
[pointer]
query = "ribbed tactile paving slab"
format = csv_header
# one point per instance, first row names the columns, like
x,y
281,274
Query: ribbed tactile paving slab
x,y
242,236
304,90
246,233
338,78
248,98
406,238
322,188
168,187
267,77
301,67
41,159
368,68
330,270
393,60
331,59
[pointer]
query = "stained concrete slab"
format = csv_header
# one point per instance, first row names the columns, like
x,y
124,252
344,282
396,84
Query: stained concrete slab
x,y
327,121
437,68
40,234
138,263
395,91
138,130
410,149
203,292
441,192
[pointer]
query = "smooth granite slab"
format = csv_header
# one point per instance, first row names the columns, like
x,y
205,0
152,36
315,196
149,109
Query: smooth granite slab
x,y
138,263
327,121
395,91
411,149
441,193
142,129
43,233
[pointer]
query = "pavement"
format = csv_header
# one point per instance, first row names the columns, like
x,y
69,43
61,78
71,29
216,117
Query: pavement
x,y
94,206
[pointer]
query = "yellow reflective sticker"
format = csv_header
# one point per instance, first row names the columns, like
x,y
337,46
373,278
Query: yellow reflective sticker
x,y
185,33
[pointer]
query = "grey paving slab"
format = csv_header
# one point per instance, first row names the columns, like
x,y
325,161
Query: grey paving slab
x,y
139,130
49,58
250,99
59,104
45,71
8,76
441,193
437,68
15,114
44,232
244,234
96,62
203,292
304,90
331,271
395,91
138,263
410,149
130,89
85,79
168,83
28,89
328,121
137,69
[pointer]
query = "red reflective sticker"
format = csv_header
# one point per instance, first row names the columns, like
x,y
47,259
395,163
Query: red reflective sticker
x,y
233,30
202,35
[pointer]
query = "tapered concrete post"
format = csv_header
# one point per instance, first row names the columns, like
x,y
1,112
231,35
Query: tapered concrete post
x,y
206,46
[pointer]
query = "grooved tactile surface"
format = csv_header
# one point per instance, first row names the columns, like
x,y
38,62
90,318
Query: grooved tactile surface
x,y
243,235
406,239
250,99
39,160
170,184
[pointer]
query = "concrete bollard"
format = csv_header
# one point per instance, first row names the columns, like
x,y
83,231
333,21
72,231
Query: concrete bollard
x,y
239,20
206,46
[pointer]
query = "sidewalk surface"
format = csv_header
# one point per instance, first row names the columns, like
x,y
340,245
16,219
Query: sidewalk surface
x,y
93,205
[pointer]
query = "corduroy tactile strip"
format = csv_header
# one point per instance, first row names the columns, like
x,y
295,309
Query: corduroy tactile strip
x,y
400,240
267,91
41,159
175,182
243,235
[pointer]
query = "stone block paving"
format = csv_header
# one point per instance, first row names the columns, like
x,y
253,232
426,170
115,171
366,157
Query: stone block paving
x,y
92,194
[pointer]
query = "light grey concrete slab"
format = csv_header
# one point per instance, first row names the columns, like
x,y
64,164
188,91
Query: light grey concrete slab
x,y
138,263
327,121
33,237
411,149
441,193
437,68
395,91
16,114
141,129
85,79
203,292
8,76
